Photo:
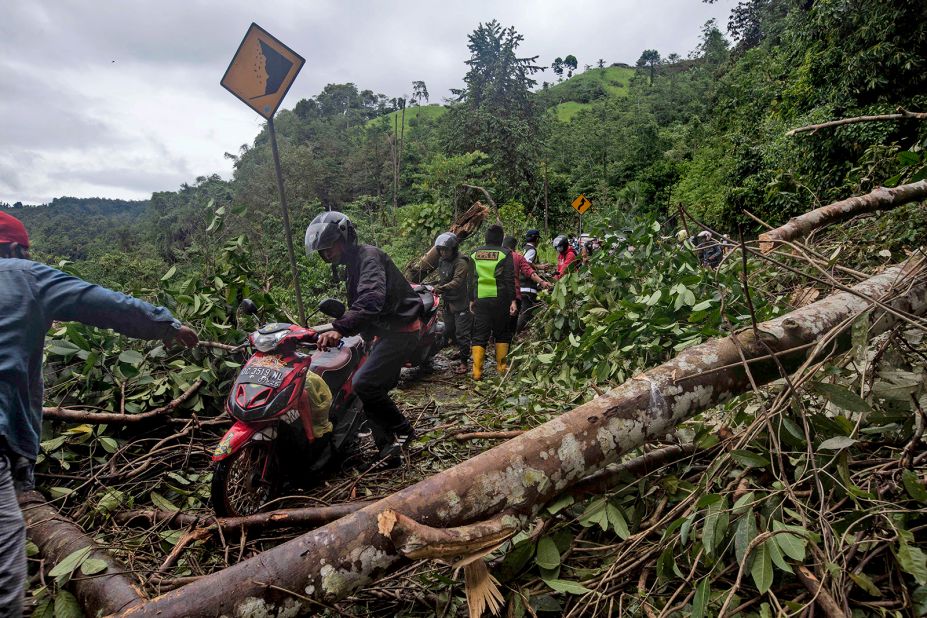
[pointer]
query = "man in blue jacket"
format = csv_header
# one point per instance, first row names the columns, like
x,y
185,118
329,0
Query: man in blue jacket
x,y
32,296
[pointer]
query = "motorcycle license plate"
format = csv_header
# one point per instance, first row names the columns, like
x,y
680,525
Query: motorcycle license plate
x,y
265,376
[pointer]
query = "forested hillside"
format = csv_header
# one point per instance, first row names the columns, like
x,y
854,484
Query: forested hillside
x,y
803,496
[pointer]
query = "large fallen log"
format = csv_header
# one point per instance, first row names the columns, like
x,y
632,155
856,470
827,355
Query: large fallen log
x,y
519,476
57,537
465,225
881,198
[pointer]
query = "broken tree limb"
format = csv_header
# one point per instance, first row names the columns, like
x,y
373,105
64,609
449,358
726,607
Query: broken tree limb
x,y
282,518
465,225
611,475
881,198
488,435
521,475
84,416
902,114
417,541
57,537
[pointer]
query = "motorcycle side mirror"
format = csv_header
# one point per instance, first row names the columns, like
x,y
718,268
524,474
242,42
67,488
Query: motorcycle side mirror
x,y
247,307
332,307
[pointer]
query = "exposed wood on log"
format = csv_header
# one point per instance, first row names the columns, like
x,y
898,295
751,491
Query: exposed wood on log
x,y
881,198
465,225
902,114
489,435
282,518
57,537
823,598
417,541
526,472
84,416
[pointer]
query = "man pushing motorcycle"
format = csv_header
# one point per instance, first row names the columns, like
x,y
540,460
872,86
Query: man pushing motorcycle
x,y
381,303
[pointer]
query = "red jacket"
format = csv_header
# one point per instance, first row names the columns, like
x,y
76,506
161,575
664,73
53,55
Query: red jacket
x,y
564,260
523,272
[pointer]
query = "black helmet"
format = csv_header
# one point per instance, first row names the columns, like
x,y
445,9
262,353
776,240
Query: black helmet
x,y
532,236
560,242
446,240
327,229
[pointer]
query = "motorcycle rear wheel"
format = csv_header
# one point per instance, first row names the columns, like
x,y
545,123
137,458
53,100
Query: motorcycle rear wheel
x,y
246,481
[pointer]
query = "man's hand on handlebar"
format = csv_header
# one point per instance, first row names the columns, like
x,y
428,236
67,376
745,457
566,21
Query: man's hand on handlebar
x,y
328,339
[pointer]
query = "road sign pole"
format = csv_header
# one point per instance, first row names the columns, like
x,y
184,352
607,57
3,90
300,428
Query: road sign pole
x,y
286,221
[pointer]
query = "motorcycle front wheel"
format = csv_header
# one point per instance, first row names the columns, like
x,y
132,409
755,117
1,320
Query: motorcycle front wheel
x,y
246,481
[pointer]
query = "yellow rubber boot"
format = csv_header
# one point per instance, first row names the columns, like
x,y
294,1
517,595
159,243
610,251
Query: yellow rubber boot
x,y
502,350
479,353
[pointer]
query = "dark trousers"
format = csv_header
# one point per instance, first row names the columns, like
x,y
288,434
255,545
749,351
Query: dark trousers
x,y
491,318
377,377
513,319
459,326
529,304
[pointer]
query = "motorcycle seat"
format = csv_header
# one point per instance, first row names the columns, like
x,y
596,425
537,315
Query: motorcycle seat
x,y
334,359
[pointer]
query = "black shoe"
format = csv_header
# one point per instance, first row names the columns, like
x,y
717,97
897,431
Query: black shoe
x,y
391,455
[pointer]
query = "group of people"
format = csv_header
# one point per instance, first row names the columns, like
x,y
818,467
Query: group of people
x,y
491,292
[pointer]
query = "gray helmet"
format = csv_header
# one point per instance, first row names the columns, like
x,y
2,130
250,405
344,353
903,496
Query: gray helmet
x,y
560,241
327,229
447,240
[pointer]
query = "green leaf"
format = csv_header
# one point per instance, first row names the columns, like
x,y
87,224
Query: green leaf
x,y
775,554
743,534
92,566
743,503
595,513
31,549
53,444
762,571
180,479
548,556
836,443
912,561
562,585
132,357
110,501
618,522
109,444
914,486
865,582
702,596
61,347
163,503
66,605
45,608
749,459
170,273
69,564
792,543
842,397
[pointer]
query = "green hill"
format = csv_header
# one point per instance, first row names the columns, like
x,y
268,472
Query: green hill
x,y
572,95
413,115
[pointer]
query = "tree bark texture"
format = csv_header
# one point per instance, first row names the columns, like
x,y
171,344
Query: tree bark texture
x,y
467,223
57,537
881,198
520,476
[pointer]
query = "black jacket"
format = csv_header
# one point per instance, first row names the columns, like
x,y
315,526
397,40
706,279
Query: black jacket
x,y
379,297
454,282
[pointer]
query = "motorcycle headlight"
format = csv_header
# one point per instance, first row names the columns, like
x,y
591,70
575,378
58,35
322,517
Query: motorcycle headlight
x,y
266,343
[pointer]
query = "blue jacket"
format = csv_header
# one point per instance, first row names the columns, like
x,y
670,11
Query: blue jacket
x,y
33,295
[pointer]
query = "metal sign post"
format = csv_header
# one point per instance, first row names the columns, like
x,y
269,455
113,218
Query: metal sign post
x,y
581,204
260,74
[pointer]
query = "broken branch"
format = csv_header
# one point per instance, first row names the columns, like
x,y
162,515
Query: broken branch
x,y
902,114
82,416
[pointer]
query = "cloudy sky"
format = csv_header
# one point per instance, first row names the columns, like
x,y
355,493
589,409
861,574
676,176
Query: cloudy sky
x,y
120,98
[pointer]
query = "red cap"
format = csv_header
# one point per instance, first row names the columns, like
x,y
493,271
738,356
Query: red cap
x,y
12,230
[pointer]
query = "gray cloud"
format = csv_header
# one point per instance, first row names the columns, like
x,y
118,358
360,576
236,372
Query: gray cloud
x,y
124,128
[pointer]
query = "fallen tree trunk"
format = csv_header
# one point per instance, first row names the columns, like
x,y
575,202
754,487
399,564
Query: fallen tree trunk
x,y
519,476
57,537
878,199
84,416
467,223
902,114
